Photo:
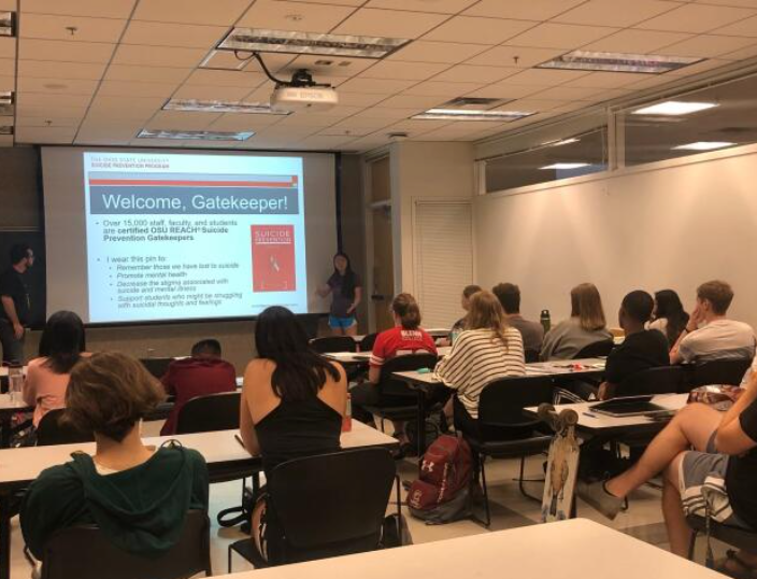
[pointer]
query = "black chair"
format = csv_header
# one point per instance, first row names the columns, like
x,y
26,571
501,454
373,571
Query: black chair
x,y
367,342
217,412
505,431
717,372
595,349
157,366
397,401
327,344
655,381
339,511
531,356
53,429
85,552
738,537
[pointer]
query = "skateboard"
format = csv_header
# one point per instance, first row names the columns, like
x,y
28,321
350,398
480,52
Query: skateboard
x,y
562,464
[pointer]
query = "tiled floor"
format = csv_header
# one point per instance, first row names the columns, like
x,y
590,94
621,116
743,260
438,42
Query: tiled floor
x,y
509,510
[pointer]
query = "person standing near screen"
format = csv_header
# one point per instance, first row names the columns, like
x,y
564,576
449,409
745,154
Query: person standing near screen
x,y
345,287
15,304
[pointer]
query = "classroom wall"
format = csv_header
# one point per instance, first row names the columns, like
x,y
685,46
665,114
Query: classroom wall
x,y
667,225
423,170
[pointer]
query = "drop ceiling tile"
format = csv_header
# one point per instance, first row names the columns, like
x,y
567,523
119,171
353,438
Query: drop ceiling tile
x,y
607,80
389,69
222,78
60,70
325,65
389,23
51,27
61,50
738,3
531,105
8,5
45,134
24,121
419,102
634,41
57,86
165,56
7,48
7,67
387,113
79,102
222,12
545,77
504,90
274,62
360,99
465,73
746,27
115,136
97,8
146,74
697,18
566,36
706,65
283,15
707,45
240,122
747,52
377,86
610,13
441,6
442,89
7,83
211,93
324,142
116,103
102,127
478,30
522,10
417,126
107,114
516,56
178,35
443,52
48,110
132,89
568,93
182,120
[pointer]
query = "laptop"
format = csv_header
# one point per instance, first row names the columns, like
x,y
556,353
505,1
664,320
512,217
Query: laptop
x,y
640,405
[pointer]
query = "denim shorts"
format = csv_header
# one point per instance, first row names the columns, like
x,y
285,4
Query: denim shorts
x,y
339,322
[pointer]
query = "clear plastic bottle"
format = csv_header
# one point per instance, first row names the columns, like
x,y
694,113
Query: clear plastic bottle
x,y
15,382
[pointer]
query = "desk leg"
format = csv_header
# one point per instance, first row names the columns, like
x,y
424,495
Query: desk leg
x,y
421,433
5,535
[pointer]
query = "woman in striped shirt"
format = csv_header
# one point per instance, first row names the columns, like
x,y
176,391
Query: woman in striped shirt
x,y
487,350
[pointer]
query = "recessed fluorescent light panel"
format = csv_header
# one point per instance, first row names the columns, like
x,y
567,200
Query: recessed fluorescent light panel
x,y
293,42
7,24
566,166
560,142
471,115
675,108
705,145
194,135
222,107
619,62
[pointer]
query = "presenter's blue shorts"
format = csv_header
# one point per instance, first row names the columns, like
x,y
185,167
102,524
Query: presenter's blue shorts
x,y
339,322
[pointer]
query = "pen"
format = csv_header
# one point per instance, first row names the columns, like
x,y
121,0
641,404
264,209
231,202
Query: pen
x,y
590,415
240,441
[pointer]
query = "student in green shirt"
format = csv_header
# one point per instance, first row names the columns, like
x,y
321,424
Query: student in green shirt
x,y
138,496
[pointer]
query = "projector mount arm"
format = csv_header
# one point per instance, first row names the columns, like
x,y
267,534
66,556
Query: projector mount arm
x,y
300,78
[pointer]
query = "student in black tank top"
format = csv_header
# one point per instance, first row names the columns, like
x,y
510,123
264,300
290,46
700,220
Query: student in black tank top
x,y
293,402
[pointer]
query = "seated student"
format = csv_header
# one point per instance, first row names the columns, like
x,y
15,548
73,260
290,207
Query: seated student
x,y
510,299
293,401
709,334
641,350
62,345
460,324
723,462
407,337
669,316
204,373
487,350
586,326
137,495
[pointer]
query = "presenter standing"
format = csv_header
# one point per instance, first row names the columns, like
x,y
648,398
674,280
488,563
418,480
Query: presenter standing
x,y
345,287
15,305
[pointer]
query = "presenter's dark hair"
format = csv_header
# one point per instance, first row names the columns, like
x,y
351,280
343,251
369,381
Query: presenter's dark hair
x,y
19,252
638,305
668,305
207,347
300,371
348,282
62,341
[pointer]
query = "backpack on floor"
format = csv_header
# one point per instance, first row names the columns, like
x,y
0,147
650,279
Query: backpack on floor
x,y
441,493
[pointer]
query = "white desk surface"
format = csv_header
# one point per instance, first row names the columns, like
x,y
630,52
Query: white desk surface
x,y
575,548
25,463
597,421
348,357
6,403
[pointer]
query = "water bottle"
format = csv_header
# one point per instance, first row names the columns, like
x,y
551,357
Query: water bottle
x,y
15,382
545,320
347,420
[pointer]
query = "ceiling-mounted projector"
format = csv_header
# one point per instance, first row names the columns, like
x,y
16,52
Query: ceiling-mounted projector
x,y
303,94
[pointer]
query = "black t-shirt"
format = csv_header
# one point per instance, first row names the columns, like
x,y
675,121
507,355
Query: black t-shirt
x,y
741,473
340,303
12,284
639,351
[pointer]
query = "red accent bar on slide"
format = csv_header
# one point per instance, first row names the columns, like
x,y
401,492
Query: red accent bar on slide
x,y
287,184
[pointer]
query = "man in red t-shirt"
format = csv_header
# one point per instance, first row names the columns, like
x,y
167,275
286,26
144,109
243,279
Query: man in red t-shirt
x,y
405,338
204,373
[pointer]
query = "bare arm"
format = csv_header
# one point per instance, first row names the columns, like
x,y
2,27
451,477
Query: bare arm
x,y
324,290
730,438
692,324
247,427
374,374
10,310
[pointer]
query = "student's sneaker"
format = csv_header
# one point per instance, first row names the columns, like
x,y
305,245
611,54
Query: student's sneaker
x,y
599,498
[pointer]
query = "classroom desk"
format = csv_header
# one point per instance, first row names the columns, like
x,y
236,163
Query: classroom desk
x,y
9,408
422,383
575,548
226,459
362,358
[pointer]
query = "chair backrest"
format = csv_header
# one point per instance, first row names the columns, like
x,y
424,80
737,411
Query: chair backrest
x,y
717,372
501,402
157,366
333,504
404,362
367,342
654,381
53,430
217,412
531,356
595,349
326,344
86,552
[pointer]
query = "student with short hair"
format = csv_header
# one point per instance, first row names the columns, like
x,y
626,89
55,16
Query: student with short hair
x,y
203,373
15,303
668,316
487,350
293,402
406,337
62,346
586,326
709,334
138,496
460,324
641,350
532,332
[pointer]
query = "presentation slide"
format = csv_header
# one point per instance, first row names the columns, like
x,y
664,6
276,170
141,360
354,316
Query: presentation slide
x,y
178,236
